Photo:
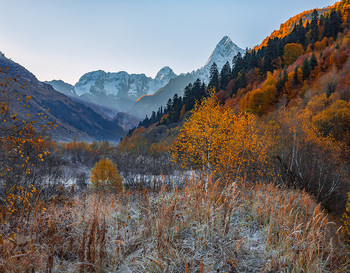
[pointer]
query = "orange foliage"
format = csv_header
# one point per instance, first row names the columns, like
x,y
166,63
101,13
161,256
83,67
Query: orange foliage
x,y
288,26
260,100
221,143
334,120
105,176
292,51
136,143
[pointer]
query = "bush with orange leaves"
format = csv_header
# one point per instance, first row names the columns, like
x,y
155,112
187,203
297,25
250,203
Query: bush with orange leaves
x,y
105,176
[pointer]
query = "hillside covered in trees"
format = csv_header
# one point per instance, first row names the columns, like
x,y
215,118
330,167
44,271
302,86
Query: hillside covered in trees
x,y
297,78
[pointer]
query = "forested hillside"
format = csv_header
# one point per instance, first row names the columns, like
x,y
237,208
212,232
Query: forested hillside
x,y
296,78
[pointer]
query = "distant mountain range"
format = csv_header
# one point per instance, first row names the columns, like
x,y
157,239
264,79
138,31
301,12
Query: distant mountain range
x,y
74,119
223,52
137,94
115,92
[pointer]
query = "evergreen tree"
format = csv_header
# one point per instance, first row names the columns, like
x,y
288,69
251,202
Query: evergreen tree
x,y
168,106
203,91
332,24
214,77
189,99
306,69
241,80
153,118
238,64
196,91
313,61
314,26
175,109
321,21
271,52
225,75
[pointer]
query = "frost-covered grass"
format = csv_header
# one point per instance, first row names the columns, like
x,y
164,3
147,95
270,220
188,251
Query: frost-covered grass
x,y
236,228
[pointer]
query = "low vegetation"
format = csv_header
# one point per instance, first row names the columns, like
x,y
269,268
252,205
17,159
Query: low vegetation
x,y
237,228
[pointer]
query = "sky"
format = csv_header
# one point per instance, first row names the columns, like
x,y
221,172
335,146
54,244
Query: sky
x,y
64,39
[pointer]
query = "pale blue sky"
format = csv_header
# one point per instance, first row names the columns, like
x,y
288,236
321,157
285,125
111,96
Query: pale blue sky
x,y
63,39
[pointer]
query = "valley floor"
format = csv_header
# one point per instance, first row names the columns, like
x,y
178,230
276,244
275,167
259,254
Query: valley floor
x,y
238,228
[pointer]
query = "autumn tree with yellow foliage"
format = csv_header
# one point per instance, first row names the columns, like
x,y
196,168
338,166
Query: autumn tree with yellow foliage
x,y
223,144
292,51
105,176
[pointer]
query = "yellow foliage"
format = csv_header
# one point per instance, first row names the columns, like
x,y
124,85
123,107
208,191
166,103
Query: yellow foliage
x,y
292,51
260,100
222,143
335,120
19,198
105,176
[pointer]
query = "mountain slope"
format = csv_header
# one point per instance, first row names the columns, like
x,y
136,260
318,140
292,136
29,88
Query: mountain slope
x,y
63,87
74,119
148,103
138,94
224,52
288,26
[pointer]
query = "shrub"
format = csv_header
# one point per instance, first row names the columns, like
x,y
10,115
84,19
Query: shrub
x,y
104,176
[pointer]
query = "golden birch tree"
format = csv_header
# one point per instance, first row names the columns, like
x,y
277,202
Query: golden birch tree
x,y
221,143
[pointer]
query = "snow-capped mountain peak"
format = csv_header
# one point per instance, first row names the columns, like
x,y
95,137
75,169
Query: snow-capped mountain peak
x,y
120,90
223,52
165,72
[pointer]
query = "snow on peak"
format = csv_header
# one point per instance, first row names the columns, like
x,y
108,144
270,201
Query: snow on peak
x,y
165,72
223,52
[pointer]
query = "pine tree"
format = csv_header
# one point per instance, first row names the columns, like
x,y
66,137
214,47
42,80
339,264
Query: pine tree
x,y
237,65
196,91
225,75
314,26
188,97
241,80
168,106
313,61
306,69
282,79
332,25
214,77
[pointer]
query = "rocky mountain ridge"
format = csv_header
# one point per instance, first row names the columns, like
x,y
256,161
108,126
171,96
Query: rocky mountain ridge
x,y
137,94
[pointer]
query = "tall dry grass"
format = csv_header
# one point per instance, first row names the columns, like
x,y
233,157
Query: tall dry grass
x,y
236,228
